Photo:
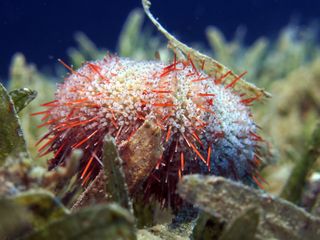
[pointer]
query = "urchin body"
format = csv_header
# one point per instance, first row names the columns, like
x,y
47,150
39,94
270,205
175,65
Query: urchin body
x,y
206,126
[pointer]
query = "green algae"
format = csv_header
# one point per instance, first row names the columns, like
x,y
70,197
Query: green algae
x,y
12,144
287,66
116,184
43,205
243,227
207,227
22,97
24,75
295,185
226,200
99,222
130,34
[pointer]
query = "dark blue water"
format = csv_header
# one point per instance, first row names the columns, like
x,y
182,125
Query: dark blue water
x,y
43,30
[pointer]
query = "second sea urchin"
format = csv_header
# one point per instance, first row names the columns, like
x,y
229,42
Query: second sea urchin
x,y
206,126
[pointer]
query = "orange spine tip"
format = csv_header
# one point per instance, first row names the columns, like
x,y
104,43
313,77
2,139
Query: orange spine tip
x,y
85,180
179,173
195,135
197,152
51,103
48,122
193,66
163,105
219,80
205,109
84,140
209,157
39,113
47,144
168,134
182,161
200,79
206,94
165,73
97,70
87,166
59,150
166,117
161,91
249,100
236,80
67,66
185,138
257,182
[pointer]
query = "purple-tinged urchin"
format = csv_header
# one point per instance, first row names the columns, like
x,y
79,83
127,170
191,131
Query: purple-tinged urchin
x,y
206,126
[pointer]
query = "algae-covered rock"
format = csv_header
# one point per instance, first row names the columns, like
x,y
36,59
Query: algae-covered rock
x,y
98,222
42,205
14,220
26,211
243,227
207,226
158,232
227,199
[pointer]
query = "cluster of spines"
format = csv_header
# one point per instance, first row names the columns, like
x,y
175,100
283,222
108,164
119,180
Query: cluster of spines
x,y
63,132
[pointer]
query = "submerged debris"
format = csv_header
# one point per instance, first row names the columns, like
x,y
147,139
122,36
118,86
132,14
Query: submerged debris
x,y
128,162
210,66
99,222
243,226
293,189
141,154
116,185
226,199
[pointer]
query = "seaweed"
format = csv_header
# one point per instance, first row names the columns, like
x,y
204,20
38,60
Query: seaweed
x,y
294,187
41,204
12,144
226,200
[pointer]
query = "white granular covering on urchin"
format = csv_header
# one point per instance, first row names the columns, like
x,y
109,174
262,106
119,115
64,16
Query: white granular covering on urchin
x,y
122,90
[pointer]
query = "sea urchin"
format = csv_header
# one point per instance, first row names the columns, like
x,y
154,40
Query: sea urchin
x,y
206,126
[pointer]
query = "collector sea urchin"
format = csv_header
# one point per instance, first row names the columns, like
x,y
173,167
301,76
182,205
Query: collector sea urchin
x,y
206,126
199,107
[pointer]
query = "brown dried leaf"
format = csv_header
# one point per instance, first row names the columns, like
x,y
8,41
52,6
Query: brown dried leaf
x,y
211,66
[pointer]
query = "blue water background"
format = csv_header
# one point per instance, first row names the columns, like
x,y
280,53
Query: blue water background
x,y
43,30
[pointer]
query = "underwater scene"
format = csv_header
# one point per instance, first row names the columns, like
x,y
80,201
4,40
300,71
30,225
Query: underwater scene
x,y
149,119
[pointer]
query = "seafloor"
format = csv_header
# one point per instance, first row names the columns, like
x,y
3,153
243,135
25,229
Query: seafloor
x,y
41,204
